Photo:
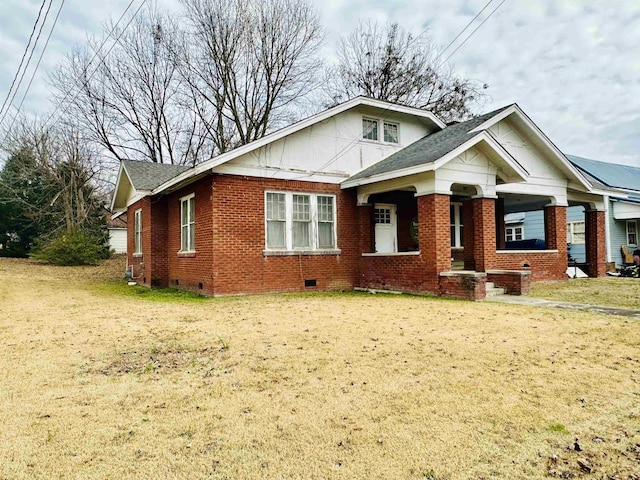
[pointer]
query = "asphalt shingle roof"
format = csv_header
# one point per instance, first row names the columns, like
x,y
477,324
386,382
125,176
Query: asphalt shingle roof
x,y
428,149
149,175
609,174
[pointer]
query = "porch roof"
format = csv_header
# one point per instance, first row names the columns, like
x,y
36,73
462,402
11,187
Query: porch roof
x,y
428,149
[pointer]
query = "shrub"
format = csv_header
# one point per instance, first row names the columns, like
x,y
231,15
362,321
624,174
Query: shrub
x,y
72,248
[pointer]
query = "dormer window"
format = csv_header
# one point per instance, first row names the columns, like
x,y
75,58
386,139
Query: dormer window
x,y
370,129
390,131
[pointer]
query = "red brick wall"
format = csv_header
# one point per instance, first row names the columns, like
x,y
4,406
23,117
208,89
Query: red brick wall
x,y
465,287
398,272
434,236
192,271
513,283
149,268
542,265
484,233
239,264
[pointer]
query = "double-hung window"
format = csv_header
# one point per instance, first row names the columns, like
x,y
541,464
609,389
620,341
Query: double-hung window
x,y
575,233
456,224
137,232
187,224
390,130
632,233
370,129
300,221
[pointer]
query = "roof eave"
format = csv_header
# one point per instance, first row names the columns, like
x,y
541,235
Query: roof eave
x,y
288,130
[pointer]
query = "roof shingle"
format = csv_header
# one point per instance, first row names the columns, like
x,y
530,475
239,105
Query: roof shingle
x,y
149,175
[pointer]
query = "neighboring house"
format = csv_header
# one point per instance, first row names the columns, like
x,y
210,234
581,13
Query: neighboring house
x,y
620,186
367,194
117,227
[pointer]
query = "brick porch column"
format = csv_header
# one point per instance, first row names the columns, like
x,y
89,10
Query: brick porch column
x,y
595,243
434,238
500,232
555,235
484,234
366,228
468,237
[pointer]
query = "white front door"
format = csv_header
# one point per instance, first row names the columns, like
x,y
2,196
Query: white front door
x,y
386,229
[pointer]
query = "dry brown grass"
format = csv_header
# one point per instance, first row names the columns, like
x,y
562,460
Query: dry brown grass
x,y
97,384
605,291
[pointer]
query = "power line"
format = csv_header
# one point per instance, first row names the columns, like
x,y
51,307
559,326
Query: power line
x,y
101,61
471,34
28,60
97,52
15,77
462,31
55,21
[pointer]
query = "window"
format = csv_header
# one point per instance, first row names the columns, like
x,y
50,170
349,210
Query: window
x,y
326,231
575,233
390,132
632,233
137,232
369,129
187,224
455,213
300,221
382,215
514,233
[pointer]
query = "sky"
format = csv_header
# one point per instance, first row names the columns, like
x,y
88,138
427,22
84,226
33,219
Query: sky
x,y
573,66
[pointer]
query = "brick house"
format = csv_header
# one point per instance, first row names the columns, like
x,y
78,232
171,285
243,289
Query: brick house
x,y
367,194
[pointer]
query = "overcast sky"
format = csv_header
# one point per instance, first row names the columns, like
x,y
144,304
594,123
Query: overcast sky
x,y
572,65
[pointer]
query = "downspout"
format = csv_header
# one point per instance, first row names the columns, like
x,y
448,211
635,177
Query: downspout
x,y
607,240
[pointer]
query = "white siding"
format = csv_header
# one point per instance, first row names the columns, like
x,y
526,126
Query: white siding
x,y
118,240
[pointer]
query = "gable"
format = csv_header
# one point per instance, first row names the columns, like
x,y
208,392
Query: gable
x,y
330,150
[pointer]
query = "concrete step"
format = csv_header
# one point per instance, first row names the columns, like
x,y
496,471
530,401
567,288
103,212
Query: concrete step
x,y
490,285
492,292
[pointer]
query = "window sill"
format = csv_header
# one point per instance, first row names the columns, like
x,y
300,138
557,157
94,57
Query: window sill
x,y
186,254
137,255
288,253
391,254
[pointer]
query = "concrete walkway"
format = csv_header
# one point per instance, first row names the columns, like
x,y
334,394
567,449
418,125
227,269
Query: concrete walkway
x,y
540,302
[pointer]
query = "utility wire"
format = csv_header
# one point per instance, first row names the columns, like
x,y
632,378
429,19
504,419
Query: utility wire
x,y
15,77
28,60
435,60
101,61
471,34
55,21
97,52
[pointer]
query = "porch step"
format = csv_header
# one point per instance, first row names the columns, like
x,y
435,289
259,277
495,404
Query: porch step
x,y
492,290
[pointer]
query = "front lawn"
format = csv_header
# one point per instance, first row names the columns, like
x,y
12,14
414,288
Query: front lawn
x,y
99,382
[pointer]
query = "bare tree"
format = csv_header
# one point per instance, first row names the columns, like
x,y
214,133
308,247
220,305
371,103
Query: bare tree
x,y
388,63
131,99
249,65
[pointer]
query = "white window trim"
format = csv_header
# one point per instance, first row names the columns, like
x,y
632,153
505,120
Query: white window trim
x,y
457,240
570,231
313,200
137,232
380,122
513,228
635,222
190,225
384,122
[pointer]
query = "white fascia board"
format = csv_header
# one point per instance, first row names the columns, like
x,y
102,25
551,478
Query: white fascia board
x,y
281,173
121,169
483,136
541,135
495,146
283,132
